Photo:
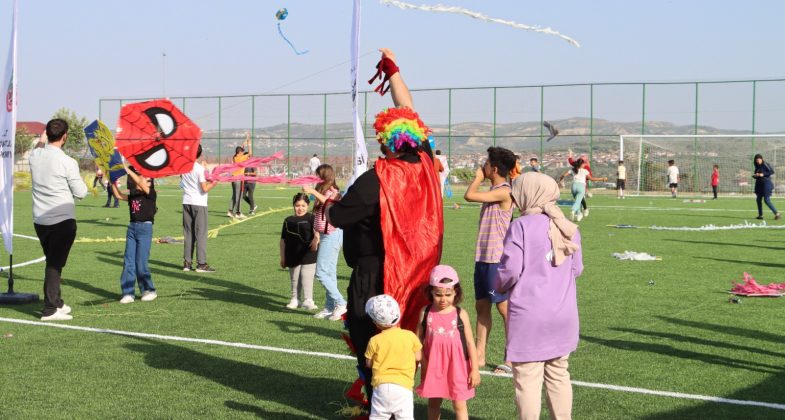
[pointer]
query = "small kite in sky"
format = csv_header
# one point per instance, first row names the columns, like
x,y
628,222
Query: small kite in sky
x,y
460,10
281,15
552,131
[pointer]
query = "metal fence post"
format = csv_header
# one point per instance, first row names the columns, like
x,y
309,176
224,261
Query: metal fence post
x,y
494,117
695,142
288,135
253,121
449,128
542,118
219,130
754,89
591,124
643,111
324,132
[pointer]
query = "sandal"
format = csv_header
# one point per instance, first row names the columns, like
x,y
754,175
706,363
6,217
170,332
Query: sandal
x,y
502,369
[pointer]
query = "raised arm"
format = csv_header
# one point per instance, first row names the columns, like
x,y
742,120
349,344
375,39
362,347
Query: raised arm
x,y
400,92
474,195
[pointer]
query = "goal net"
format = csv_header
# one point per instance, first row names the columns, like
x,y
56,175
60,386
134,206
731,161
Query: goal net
x,y
646,160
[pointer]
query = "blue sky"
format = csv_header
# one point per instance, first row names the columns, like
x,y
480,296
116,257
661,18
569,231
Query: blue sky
x,y
73,53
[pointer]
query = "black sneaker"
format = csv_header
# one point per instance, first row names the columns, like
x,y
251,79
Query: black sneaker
x,y
204,268
187,266
777,216
759,217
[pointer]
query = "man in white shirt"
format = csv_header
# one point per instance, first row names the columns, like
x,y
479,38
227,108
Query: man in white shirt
x,y
56,182
195,188
314,163
673,178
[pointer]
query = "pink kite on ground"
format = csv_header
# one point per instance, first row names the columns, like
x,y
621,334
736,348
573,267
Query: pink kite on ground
x,y
751,288
225,173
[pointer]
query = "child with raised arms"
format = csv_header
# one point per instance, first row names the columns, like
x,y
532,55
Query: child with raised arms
x,y
449,364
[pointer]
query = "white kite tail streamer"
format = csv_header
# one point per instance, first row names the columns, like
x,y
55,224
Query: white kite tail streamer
x,y
706,228
460,10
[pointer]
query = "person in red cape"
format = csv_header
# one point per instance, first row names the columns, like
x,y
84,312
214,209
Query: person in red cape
x,y
392,219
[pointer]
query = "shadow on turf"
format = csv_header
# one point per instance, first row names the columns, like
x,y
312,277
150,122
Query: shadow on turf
x,y
758,263
264,383
768,390
297,328
775,248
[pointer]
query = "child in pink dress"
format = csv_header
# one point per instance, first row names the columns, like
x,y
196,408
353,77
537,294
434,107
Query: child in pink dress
x,y
449,364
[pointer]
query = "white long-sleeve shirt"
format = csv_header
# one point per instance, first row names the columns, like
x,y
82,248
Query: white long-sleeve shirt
x,y
56,182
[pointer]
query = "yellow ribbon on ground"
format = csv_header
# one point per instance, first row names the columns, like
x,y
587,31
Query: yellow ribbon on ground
x,y
212,233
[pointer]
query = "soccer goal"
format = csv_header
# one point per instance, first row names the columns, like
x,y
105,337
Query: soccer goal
x,y
646,160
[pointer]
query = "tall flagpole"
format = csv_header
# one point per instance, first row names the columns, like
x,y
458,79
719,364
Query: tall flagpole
x,y
7,140
359,151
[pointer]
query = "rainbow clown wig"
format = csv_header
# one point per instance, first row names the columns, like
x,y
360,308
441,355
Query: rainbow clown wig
x,y
396,127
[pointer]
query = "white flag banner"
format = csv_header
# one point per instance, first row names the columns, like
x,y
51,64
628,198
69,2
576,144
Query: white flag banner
x,y
7,136
360,151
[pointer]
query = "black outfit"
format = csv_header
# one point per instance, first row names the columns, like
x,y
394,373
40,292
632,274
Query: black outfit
x,y
764,187
56,241
141,206
250,186
714,190
297,234
358,214
110,196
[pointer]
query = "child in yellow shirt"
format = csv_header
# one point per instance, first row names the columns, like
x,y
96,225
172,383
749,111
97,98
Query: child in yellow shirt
x,y
392,356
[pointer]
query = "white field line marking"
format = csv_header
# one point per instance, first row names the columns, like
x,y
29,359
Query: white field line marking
x,y
35,261
346,357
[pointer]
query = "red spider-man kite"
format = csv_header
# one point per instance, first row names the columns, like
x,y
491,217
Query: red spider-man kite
x,y
157,138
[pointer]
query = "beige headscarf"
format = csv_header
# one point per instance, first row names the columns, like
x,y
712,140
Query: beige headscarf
x,y
536,193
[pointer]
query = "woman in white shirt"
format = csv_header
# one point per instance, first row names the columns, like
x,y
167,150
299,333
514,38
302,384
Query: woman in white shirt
x,y
579,177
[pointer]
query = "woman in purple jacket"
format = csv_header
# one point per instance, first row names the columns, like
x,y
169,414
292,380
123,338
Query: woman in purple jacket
x,y
541,260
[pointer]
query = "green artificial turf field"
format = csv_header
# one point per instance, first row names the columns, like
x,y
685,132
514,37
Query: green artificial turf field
x,y
678,333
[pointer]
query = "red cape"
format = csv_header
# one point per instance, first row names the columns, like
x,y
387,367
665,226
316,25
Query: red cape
x,y
412,228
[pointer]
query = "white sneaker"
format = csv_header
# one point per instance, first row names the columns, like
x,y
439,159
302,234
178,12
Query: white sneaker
x,y
229,213
65,309
572,216
578,217
148,296
240,216
585,212
338,313
292,304
324,313
57,316
309,305
588,194
127,299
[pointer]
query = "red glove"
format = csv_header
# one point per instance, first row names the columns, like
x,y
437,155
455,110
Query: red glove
x,y
388,68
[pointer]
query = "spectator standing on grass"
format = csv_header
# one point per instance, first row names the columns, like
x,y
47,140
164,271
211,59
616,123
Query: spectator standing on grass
x,y
141,199
330,241
541,260
195,188
763,186
314,163
673,178
445,172
495,217
715,180
298,246
621,179
240,155
534,165
110,195
56,182
248,190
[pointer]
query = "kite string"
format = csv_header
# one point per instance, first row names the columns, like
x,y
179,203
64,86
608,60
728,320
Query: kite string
x,y
290,42
479,16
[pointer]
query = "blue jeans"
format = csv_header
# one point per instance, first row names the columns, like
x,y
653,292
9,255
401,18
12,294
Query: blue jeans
x,y
769,204
326,264
138,240
578,191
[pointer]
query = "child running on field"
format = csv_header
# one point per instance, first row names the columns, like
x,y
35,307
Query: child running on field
x,y
449,365
298,252
392,356
579,176
141,199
